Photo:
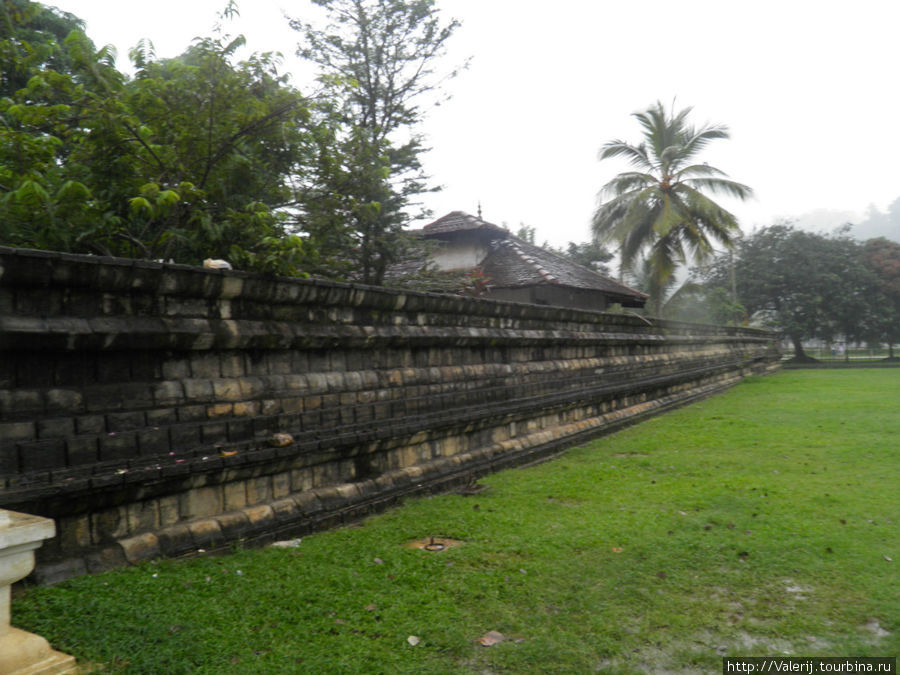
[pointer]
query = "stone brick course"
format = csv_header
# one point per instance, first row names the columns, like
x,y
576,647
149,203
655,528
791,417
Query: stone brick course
x,y
136,398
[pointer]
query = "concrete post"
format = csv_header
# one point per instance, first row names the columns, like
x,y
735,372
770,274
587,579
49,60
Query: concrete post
x,y
24,653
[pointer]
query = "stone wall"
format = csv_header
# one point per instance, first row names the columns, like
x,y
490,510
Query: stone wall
x,y
138,401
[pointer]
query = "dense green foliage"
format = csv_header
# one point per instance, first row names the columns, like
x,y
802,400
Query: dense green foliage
x,y
882,258
759,522
188,159
376,60
811,285
207,156
659,211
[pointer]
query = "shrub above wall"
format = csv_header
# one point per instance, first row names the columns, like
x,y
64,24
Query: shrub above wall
x,y
139,401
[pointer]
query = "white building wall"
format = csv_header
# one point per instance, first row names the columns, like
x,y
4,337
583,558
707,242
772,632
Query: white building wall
x,y
459,255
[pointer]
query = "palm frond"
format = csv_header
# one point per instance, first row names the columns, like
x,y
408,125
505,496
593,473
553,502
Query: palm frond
x,y
636,154
696,141
693,170
721,186
626,182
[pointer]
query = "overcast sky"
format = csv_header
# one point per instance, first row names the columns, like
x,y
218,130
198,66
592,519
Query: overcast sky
x,y
808,89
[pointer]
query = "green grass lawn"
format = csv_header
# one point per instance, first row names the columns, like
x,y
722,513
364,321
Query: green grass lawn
x,y
765,521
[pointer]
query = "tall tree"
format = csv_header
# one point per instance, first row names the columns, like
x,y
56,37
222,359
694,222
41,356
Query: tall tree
x,y
378,62
882,258
189,159
807,284
659,212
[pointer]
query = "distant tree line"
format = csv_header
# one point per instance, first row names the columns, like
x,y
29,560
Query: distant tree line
x,y
809,285
207,156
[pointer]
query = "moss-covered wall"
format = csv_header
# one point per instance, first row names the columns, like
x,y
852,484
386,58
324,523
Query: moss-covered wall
x,y
139,401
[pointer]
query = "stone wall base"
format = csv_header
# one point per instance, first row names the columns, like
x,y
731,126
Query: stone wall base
x,y
299,513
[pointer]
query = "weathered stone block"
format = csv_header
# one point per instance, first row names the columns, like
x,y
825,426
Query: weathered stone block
x,y
63,401
184,436
42,455
270,407
284,509
200,502
214,432
21,402
12,432
152,441
220,409
234,495
81,451
169,511
227,390
109,525
259,490
125,421
198,391
176,369
118,446
233,525
302,479
240,430
281,485
140,547
168,393
246,409
74,532
205,366
259,515
191,413
143,516
175,540
205,532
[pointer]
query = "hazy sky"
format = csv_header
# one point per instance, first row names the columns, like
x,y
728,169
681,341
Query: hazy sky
x,y
808,89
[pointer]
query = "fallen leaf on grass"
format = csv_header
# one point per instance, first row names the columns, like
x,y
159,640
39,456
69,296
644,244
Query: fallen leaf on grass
x,y
888,558
378,561
371,608
617,549
491,638
413,640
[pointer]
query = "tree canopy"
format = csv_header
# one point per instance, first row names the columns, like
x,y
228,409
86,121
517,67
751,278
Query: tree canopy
x,y
659,212
378,64
189,159
882,258
809,285
210,156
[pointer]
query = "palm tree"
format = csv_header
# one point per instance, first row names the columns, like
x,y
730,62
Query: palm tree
x,y
659,211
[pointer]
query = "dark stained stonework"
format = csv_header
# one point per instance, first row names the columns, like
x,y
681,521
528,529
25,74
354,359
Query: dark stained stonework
x,y
136,398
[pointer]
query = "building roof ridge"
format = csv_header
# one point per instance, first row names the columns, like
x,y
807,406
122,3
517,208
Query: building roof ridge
x,y
514,243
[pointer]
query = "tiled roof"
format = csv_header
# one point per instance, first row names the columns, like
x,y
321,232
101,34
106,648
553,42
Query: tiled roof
x,y
515,262
459,221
